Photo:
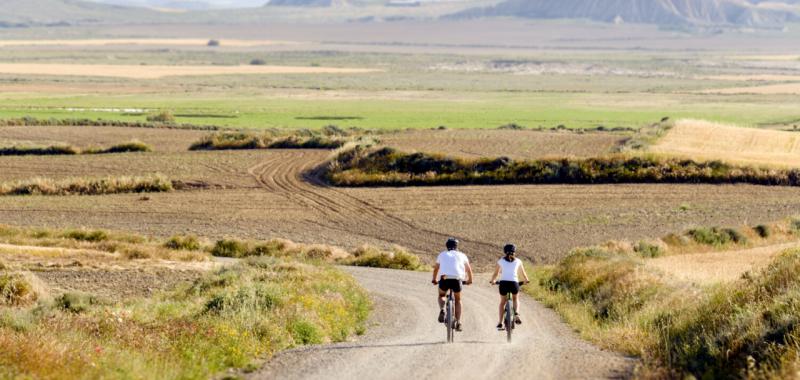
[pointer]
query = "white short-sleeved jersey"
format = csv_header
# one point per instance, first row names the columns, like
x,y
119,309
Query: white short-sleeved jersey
x,y
453,264
509,269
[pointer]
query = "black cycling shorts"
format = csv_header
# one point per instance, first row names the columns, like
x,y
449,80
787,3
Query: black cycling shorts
x,y
509,287
448,284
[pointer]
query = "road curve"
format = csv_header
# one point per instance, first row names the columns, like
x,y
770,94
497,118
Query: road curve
x,y
404,341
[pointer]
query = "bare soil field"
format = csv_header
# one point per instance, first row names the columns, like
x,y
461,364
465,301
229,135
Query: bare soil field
x,y
716,267
710,141
162,140
155,71
516,144
263,194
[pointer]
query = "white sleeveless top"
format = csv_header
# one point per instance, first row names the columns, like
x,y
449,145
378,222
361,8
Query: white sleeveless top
x,y
508,270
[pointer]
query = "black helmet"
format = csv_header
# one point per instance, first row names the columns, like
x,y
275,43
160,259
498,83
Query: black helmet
x,y
510,249
452,243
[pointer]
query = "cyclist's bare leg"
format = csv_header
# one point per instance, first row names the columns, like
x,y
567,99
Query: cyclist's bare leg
x,y
502,309
516,302
458,306
442,294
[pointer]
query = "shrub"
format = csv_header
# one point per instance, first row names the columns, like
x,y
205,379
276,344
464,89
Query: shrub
x,y
794,224
21,150
305,332
161,117
213,43
183,242
31,121
84,235
763,230
230,248
398,258
512,126
716,236
230,141
258,62
131,146
76,302
15,290
648,250
86,186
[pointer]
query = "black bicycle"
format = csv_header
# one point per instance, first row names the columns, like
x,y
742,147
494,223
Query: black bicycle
x,y
508,314
450,313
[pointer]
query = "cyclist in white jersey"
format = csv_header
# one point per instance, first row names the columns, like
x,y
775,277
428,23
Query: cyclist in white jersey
x,y
508,269
452,267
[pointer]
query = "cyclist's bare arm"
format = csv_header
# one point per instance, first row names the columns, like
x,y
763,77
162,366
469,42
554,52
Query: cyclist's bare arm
x,y
469,273
524,274
435,273
496,273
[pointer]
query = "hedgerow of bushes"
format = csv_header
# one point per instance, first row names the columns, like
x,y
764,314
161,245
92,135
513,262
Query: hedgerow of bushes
x,y
35,122
88,186
388,167
246,140
63,149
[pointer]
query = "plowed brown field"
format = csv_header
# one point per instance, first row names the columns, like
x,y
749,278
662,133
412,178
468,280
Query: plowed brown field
x,y
517,144
263,194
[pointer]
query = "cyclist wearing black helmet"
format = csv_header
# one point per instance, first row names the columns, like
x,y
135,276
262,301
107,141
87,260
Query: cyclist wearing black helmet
x,y
508,269
452,267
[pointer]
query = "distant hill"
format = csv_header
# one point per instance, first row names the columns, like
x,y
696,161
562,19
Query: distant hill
x,y
24,13
769,14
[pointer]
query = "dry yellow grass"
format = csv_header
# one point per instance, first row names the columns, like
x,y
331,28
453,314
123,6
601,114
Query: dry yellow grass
x,y
772,89
716,267
703,140
143,42
773,57
755,78
154,72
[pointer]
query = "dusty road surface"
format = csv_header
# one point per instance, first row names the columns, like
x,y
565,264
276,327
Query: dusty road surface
x,y
404,341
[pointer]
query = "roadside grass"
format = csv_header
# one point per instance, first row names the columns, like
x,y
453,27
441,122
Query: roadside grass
x,y
233,318
364,256
32,121
126,246
741,329
88,186
362,166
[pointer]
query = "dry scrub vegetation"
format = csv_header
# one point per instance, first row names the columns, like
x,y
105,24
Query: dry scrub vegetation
x,y
66,149
701,140
153,123
245,140
745,328
387,167
279,295
231,318
88,186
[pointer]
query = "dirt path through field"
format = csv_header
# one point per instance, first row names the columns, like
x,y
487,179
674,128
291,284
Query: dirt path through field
x,y
289,175
406,342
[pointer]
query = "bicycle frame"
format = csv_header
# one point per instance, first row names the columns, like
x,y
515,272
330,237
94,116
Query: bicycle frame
x,y
450,316
508,318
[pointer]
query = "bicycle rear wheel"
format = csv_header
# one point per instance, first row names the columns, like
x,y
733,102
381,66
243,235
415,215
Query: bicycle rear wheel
x,y
449,319
509,320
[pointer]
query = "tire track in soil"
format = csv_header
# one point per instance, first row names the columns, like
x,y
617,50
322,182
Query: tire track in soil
x,y
291,175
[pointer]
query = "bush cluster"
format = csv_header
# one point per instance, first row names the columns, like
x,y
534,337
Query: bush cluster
x,y
245,140
64,149
183,243
716,236
88,186
388,167
398,258
15,290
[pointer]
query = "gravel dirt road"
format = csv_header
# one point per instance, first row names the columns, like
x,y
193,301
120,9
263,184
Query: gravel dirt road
x,y
405,341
